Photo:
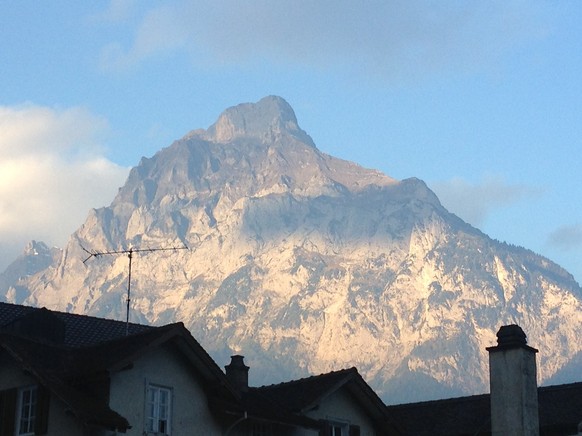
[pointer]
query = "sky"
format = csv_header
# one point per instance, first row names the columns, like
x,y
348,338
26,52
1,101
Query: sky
x,y
482,100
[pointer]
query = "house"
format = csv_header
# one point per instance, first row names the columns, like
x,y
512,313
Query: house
x,y
340,402
76,375
67,374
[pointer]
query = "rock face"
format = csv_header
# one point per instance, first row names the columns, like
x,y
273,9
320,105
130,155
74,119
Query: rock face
x,y
306,263
37,256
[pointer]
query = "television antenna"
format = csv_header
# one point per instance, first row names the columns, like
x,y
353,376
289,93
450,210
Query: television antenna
x,y
129,252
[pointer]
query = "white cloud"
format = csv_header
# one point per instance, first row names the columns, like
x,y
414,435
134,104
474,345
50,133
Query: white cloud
x,y
475,202
52,171
399,37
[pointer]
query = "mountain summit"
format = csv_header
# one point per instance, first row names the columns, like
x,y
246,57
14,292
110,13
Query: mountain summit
x,y
306,263
266,120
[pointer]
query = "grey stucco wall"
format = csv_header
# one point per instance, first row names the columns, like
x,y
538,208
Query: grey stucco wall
x,y
163,367
340,406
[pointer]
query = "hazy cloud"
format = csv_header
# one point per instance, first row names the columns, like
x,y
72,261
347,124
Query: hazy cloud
x,y
52,171
389,37
474,202
567,237
161,30
117,11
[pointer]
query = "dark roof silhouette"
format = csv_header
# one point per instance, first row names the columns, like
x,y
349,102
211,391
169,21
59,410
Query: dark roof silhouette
x,y
76,369
80,330
560,413
454,416
302,395
560,408
73,361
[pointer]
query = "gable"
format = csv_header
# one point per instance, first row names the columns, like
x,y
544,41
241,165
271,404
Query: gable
x,y
163,367
341,394
341,406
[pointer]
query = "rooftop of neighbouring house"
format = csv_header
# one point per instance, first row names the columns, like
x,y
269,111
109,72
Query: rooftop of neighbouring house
x,y
560,412
79,330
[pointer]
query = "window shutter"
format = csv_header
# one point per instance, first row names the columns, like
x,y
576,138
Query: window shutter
x,y
7,412
354,430
42,411
325,428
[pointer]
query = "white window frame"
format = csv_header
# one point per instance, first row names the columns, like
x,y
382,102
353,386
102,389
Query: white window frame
x,y
156,411
26,410
339,428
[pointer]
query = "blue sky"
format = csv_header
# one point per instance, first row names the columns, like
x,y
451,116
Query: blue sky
x,y
481,100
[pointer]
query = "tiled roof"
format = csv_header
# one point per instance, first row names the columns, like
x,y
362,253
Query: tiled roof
x,y
455,416
92,347
264,408
65,369
560,412
560,408
80,330
300,395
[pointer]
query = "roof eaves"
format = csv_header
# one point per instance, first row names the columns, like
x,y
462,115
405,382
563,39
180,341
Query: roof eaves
x,y
266,408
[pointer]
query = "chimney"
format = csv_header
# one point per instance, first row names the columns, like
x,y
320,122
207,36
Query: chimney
x,y
237,373
39,324
513,384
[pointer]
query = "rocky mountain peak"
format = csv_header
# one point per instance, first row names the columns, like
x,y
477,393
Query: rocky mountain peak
x,y
306,263
36,248
36,257
266,120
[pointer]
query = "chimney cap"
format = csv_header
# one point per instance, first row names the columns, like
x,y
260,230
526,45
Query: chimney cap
x,y
510,337
237,373
237,361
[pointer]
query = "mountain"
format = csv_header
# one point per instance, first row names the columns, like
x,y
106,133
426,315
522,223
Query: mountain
x,y
37,256
306,263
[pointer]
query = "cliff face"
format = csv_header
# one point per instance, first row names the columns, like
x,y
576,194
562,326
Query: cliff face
x,y
306,263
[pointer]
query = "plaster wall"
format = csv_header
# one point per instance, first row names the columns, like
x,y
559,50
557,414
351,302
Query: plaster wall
x,y
163,367
341,407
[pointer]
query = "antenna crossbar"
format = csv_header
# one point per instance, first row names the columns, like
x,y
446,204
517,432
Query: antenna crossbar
x,y
129,252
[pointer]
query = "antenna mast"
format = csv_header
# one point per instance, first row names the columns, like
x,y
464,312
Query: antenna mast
x,y
129,253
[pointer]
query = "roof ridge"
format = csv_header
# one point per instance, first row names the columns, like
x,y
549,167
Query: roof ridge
x,y
153,331
311,377
59,312
570,385
467,398
442,400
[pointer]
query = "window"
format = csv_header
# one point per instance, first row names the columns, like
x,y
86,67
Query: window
x,y
26,410
158,408
338,428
